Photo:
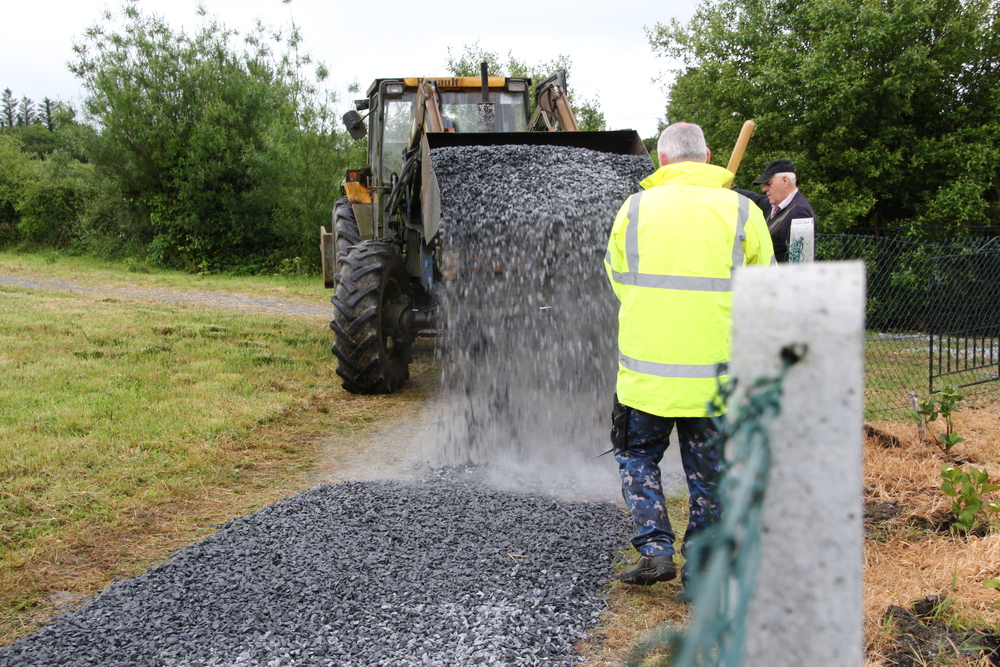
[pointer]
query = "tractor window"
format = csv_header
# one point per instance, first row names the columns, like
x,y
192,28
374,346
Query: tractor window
x,y
396,126
460,111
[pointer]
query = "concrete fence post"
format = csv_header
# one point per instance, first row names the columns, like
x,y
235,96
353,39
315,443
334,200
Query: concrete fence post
x,y
802,228
807,605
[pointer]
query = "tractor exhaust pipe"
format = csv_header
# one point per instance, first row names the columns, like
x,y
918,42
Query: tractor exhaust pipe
x,y
487,110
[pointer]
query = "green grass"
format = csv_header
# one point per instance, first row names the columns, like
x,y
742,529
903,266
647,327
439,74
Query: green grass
x,y
891,367
103,404
130,428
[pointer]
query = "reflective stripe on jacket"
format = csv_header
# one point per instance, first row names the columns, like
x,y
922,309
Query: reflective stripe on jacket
x,y
670,259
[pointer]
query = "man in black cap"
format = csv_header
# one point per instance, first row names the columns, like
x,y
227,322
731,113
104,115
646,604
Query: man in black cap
x,y
781,203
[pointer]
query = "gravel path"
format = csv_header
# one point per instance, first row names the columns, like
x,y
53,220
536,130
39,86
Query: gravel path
x,y
240,302
442,571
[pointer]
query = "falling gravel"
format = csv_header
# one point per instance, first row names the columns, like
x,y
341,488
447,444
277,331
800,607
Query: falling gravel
x,y
444,571
530,357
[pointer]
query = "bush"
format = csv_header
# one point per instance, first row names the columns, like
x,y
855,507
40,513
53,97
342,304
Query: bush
x,y
51,205
16,172
214,152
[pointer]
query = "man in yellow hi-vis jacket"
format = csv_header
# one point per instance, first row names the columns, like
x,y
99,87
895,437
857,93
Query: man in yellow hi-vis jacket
x,y
671,256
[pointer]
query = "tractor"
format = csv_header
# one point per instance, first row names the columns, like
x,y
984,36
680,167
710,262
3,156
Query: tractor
x,y
382,256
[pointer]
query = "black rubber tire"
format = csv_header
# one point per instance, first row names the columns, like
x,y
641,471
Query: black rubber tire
x,y
345,228
372,301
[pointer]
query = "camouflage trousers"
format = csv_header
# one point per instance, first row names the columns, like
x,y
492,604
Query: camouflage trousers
x,y
638,462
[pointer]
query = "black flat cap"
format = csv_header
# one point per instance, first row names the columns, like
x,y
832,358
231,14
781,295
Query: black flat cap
x,y
774,167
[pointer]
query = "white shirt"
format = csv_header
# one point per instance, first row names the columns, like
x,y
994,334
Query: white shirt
x,y
784,204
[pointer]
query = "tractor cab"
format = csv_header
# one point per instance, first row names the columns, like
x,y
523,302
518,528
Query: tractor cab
x,y
439,105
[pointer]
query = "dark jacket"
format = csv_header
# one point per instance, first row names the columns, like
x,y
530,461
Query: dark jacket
x,y
781,226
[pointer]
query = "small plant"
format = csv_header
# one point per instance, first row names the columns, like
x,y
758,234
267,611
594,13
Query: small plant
x,y
971,510
993,583
941,405
293,267
132,266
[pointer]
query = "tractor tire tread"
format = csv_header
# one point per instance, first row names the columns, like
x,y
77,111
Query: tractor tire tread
x,y
368,362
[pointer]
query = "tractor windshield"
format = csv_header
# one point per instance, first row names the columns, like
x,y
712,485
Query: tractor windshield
x,y
460,111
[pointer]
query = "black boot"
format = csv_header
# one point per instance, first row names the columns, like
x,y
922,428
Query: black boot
x,y
649,570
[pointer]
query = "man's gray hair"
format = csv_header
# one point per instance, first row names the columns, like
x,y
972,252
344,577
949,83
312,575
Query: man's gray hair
x,y
682,142
789,174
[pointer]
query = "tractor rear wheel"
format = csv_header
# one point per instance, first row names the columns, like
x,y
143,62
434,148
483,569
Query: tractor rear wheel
x,y
345,228
373,302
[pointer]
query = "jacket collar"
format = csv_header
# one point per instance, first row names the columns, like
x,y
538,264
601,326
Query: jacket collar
x,y
688,173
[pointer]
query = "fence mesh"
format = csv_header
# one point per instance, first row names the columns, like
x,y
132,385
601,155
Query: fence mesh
x,y
923,298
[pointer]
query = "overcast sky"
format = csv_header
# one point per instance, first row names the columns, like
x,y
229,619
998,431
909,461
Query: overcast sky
x,y
360,41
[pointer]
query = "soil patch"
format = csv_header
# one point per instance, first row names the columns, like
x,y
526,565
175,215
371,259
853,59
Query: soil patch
x,y
924,637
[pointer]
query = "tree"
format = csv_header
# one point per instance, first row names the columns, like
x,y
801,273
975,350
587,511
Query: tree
x,y
51,204
589,116
890,110
27,116
36,140
8,109
469,63
220,150
46,114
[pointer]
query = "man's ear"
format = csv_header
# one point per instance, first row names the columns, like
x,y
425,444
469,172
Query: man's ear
x,y
708,155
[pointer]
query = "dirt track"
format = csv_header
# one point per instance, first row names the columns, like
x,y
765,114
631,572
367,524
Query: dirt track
x,y
240,302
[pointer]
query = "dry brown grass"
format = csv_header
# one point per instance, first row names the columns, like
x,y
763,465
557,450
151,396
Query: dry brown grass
x,y
905,557
633,612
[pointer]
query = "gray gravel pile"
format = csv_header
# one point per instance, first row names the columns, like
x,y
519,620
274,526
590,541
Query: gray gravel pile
x,y
441,572
531,316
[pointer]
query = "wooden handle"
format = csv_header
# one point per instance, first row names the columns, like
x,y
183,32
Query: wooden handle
x,y
741,146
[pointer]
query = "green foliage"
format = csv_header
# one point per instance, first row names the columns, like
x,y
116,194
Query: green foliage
x,y
589,116
971,510
16,172
35,139
588,112
213,150
296,266
472,57
41,200
52,204
889,110
942,404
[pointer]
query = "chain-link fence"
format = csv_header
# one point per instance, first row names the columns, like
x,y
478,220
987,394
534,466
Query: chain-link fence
x,y
933,317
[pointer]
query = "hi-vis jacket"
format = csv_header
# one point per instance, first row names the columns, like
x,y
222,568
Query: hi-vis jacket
x,y
671,256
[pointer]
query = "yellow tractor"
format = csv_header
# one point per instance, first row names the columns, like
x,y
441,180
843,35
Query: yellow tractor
x,y
382,257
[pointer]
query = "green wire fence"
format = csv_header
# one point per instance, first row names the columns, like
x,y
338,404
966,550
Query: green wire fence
x,y
931,317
